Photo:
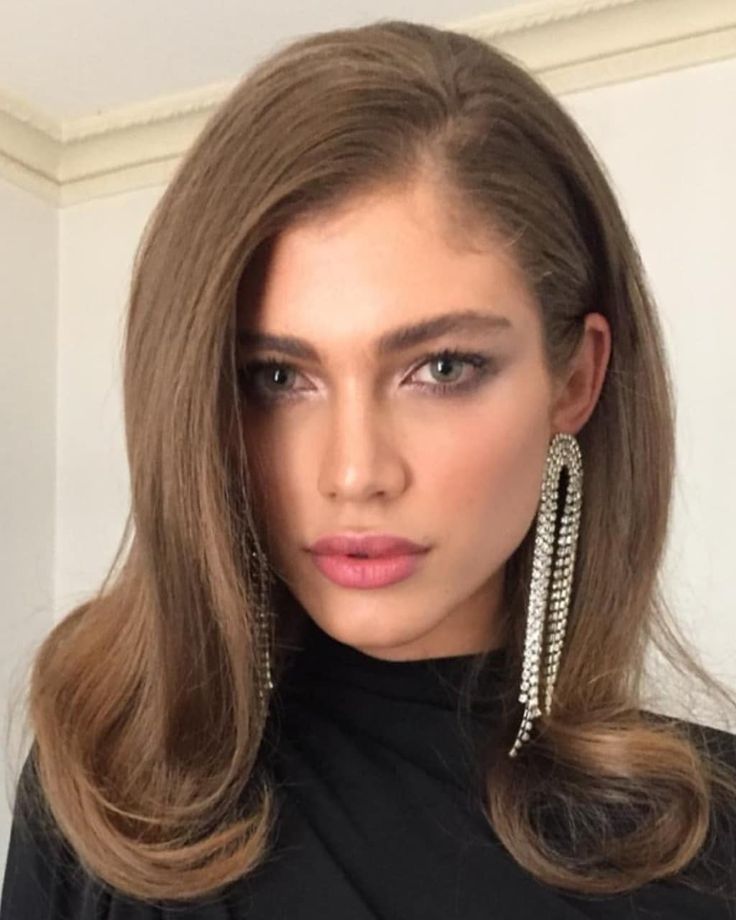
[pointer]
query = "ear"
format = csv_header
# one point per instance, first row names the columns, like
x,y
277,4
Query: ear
x,y
575,395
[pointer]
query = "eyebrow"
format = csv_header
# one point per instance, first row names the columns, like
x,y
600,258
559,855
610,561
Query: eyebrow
x,y
392,342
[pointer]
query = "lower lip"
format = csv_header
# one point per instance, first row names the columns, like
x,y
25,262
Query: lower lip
x,y
367,573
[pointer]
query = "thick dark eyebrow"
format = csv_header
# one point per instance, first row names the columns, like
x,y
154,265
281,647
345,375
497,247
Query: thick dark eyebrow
x,y
396,340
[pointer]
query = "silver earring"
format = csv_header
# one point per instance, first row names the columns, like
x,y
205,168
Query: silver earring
x,y
265,682
563,451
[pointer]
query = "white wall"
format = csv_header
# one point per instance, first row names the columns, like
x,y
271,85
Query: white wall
x,y
669,142
96,247
28,354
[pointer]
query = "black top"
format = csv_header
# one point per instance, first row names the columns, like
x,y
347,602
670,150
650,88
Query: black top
x,y
379,817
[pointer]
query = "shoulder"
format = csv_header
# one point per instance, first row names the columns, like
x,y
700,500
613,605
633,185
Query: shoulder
x,y
716,741
715,865
43,877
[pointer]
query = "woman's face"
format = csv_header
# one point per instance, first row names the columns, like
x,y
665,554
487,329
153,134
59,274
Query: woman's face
x,y
347,436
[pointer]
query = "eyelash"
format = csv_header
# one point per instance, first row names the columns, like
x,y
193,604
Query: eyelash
x,y
483,365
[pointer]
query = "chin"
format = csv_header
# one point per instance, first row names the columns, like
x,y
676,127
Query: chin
x,y
389,639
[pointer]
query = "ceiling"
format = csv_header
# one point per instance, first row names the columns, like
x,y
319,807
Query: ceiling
x,y
102,96
83,57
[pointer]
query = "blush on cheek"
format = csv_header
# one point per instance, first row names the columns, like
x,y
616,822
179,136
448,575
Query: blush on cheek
x,y
496,483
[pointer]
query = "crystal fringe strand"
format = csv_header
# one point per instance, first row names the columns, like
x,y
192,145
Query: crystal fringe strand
x,y
563,451
264,620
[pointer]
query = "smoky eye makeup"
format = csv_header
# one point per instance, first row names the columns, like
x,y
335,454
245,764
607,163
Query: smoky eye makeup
x,y
270,380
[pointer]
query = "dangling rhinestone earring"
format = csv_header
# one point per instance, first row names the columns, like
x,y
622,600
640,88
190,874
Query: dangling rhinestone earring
x,y
265,682
563,451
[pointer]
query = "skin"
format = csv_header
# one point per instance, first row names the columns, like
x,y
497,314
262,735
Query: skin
x,y
358,442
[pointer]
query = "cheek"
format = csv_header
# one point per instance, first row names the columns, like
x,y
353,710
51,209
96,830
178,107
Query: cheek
x,y
268,458
493,481
283,463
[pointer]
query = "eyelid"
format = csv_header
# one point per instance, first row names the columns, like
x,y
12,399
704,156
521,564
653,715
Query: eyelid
x,y
482,366
294,364
255,356
468,356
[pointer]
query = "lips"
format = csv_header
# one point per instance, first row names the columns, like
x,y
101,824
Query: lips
x,y
372,545
364,573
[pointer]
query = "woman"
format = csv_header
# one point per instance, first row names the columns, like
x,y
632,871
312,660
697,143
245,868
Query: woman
x,y
387,297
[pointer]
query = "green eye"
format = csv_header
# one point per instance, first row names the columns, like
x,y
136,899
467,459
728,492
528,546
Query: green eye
x,y
267,379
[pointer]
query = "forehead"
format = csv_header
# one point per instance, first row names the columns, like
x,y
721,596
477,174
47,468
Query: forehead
x,y
367,271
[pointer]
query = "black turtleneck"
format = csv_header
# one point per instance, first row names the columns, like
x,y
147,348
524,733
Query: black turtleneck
x,y
376,768
412,714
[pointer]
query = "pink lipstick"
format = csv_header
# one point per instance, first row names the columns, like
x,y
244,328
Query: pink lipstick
x,y
367,560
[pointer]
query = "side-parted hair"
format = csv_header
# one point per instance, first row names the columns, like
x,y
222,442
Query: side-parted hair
x,y
143,700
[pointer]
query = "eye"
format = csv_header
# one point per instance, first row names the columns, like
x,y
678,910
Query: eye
x,y
268,379
480,366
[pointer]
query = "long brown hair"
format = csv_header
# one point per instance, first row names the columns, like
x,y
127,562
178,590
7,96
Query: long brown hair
x,y
143,700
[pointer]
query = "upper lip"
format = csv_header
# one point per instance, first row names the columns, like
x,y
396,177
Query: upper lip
x,y
369,544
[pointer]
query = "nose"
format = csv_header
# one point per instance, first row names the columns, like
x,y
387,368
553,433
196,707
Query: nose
x,y
361,457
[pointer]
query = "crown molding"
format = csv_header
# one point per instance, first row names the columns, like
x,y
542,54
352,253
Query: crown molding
x,y
570,45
